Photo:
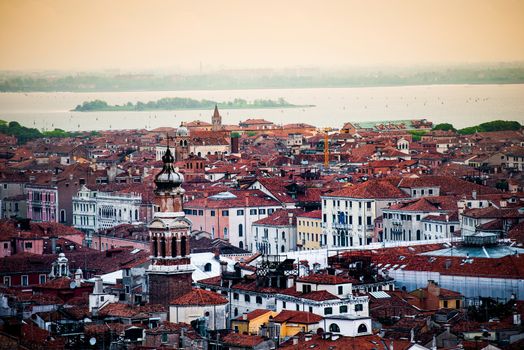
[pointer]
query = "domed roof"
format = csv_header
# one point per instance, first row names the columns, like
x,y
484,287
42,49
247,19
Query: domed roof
x,y
168,178
182,131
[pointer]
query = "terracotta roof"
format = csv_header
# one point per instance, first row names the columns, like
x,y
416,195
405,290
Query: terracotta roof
x,y
302,317
281,217
366,342
322,278
199,296
372,189
253,314
320,295
129,311
242,340
315,214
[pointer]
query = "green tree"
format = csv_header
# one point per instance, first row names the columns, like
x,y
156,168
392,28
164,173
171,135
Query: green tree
x,y
444,127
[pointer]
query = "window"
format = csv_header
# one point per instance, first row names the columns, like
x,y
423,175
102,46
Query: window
x,y
368,205
270,211
6,245
340,290
28,245
201,212
252,212
298,307
41,279
247,298
306,288
240,212
445,304
25,280
284,304
343,309
334,328
328,311
212,213
235,296
262,211
311,309
240,230
7,281
359,307
259,300
164,338
207,267
362,328
225,212
127,289
430,191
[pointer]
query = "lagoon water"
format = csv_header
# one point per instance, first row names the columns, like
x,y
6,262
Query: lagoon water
x,y
461,105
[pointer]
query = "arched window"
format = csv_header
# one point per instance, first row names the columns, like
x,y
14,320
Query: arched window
x,y
334,328
259,300
155,247
282,249
236,312
181,143
283,235
418,235
163,247
183,248
207,267
362,328
173,247
62,215
241,245
240,230
136,214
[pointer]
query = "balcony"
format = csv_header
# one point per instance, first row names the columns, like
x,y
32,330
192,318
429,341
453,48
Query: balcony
x,y
339,225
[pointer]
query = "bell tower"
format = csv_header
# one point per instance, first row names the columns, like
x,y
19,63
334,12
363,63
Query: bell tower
x,y
216,120
169,275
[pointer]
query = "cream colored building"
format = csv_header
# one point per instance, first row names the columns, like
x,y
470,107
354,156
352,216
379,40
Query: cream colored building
x,y
309,230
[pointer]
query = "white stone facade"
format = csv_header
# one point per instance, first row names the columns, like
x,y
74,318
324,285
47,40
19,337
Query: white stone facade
x,y
95,210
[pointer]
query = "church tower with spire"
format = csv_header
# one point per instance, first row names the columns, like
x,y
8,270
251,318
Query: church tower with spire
x,y
216,120
169,275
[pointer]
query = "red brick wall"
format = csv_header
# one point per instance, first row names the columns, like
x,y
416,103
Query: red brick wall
x,y
164,288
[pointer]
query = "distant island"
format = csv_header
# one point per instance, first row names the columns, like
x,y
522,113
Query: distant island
x,y
179,103
501,73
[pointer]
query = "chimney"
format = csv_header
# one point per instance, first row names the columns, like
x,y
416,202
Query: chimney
x,y
308,337
99,285
244,316
290,282
217,254
290,216
223,266
335,336
78,277
516,319
295,340
474,194
53,245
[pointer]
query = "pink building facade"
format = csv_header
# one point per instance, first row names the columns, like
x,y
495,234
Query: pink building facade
x,y
42,203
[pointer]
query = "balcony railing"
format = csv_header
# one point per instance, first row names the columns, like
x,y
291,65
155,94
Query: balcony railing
x,y
342,226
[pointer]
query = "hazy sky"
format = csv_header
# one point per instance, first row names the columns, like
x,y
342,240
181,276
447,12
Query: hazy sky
x,y
153,34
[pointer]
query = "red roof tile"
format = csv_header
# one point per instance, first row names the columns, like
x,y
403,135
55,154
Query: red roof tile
x,y
378,189
199,296
302,317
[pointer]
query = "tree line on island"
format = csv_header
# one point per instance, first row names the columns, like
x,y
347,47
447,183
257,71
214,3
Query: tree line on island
x,y
496,125
181,103
24,134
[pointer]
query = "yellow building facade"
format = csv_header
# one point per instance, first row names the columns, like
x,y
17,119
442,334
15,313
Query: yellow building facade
x,y
309,230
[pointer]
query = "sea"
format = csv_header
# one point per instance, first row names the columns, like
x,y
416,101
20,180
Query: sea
x,y
461,105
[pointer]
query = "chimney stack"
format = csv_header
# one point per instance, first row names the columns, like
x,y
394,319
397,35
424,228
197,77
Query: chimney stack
x,y
99,285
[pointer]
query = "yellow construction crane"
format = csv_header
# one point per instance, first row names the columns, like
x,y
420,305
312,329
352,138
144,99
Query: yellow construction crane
x,y
326,148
